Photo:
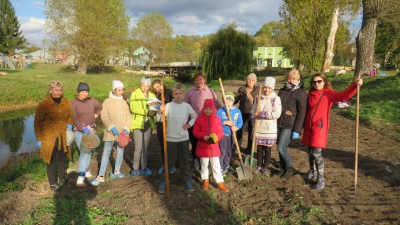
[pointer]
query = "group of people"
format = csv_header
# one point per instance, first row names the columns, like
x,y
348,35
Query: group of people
x,y
192,117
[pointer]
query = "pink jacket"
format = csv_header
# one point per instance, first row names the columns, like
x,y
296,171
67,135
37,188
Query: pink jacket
x,y
316,123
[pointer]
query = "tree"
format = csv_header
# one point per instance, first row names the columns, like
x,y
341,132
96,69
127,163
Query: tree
x,y
308,23
387,45
156,35
229,53
373,11
10,36
94,29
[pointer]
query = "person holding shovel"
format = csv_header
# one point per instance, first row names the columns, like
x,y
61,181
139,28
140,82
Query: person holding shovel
x,y
208,130
266,134
290,123
53,116
321,97
86,109
229,126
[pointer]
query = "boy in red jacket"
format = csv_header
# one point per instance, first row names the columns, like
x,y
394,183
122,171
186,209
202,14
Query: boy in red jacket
x,y
208,130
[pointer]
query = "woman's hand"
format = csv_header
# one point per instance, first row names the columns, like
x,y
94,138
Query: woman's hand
x,y
162,108
206,137
359,81
185,126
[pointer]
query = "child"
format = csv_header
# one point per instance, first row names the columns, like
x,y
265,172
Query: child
x,y
266,135
142,126
208,130
116,118
229,126
176,115
86,109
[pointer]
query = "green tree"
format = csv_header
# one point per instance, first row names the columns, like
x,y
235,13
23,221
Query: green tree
x,y
10,36
156,35
94,29
228,53
387,45
30,47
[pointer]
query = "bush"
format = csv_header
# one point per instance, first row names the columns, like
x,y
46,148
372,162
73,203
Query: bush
x,y
184,76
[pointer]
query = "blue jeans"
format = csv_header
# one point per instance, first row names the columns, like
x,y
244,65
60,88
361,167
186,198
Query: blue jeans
x,y
284,136
84,158
106,154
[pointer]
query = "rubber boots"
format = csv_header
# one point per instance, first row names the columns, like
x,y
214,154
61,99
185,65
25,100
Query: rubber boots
x,y
288,173
320,183
206,184
222,187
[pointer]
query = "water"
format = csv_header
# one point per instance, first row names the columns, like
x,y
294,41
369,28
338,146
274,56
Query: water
x,y
17,136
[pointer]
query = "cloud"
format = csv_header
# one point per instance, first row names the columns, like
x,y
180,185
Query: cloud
x,y
38,5
33,29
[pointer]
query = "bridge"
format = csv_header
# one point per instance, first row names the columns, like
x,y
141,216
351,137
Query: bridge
x,y
174,67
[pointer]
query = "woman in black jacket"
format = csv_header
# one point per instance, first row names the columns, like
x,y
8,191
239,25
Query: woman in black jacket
x,y
290,123
246,96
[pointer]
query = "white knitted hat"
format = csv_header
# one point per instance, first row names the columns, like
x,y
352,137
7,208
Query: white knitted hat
x,y
117,84
270,82
145,80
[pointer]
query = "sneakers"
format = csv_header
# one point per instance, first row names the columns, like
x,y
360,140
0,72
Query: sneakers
x,y
173,170
258,170
189,186
88,174
81,179
145,171
320,183
224,172
161,188
55,187
134,173
117,174
230,170
311,174
265,172
343,105
97,181
161,169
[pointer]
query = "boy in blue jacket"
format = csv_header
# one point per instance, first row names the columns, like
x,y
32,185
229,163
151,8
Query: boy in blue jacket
x,y
226,143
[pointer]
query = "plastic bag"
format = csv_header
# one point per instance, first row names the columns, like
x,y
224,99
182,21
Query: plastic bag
x,y
123,139
70,137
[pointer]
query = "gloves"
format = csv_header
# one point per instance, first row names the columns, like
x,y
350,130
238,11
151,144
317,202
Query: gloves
x,y
114,130
39,143
210,141
85,130
126,132
69,126
295,135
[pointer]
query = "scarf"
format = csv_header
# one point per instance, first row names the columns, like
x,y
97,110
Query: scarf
x,y
291,87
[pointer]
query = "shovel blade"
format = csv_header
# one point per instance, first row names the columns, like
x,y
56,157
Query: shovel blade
x,y
244,172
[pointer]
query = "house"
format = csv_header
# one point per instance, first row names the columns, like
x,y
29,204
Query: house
x,y
40,55
140,56
271,57
64,57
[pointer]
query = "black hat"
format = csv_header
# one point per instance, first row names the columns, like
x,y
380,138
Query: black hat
x,y
82,87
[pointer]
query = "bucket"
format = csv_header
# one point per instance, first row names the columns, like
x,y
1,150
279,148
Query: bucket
x,y
89,143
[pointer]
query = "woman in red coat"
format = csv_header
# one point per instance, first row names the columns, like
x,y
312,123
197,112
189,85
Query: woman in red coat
x,y
208,130
321,97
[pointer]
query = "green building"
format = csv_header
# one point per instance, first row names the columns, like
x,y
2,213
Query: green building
x,y
271,57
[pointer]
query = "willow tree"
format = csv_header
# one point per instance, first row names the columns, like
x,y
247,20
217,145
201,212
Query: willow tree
x,y
95,29
373,11
308,24
229,53
155,33
11,37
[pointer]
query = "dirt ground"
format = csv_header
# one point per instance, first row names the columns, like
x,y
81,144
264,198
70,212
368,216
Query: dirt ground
x,y
262,200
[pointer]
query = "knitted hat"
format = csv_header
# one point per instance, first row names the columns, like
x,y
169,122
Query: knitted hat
x,y
117,84
145,80
209,103
82,86
270,82
229,95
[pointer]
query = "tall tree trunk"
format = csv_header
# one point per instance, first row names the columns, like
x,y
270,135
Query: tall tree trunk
x,y
365,42
82,66
330,42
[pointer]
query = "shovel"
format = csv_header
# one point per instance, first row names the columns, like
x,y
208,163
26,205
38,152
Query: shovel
x,y
244,171
251,161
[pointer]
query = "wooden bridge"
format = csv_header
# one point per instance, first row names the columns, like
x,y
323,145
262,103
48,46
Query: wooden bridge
x,y
174,67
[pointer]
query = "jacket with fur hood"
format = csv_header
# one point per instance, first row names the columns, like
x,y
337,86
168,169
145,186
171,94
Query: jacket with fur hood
x,y
115,113
206,125
51,121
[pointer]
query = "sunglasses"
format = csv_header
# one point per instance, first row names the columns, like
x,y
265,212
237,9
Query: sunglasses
x,y
317,81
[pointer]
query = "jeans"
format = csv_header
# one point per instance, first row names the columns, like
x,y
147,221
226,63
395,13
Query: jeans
x,y
84,158
106,154
284,136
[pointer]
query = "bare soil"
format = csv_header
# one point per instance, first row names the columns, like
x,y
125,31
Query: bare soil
x,y
262,200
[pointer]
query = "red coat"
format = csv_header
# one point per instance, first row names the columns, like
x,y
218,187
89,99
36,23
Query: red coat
x,y
206,125
316,123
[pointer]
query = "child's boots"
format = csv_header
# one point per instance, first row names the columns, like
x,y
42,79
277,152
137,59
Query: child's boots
x,y
206,184
222,187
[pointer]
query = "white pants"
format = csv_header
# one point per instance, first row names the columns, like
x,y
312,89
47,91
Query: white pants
x,y
215,166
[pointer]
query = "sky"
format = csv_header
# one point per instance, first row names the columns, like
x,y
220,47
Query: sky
x,y
187,17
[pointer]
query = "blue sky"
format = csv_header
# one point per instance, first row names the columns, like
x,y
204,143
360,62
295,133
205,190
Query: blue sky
x,y
186,16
